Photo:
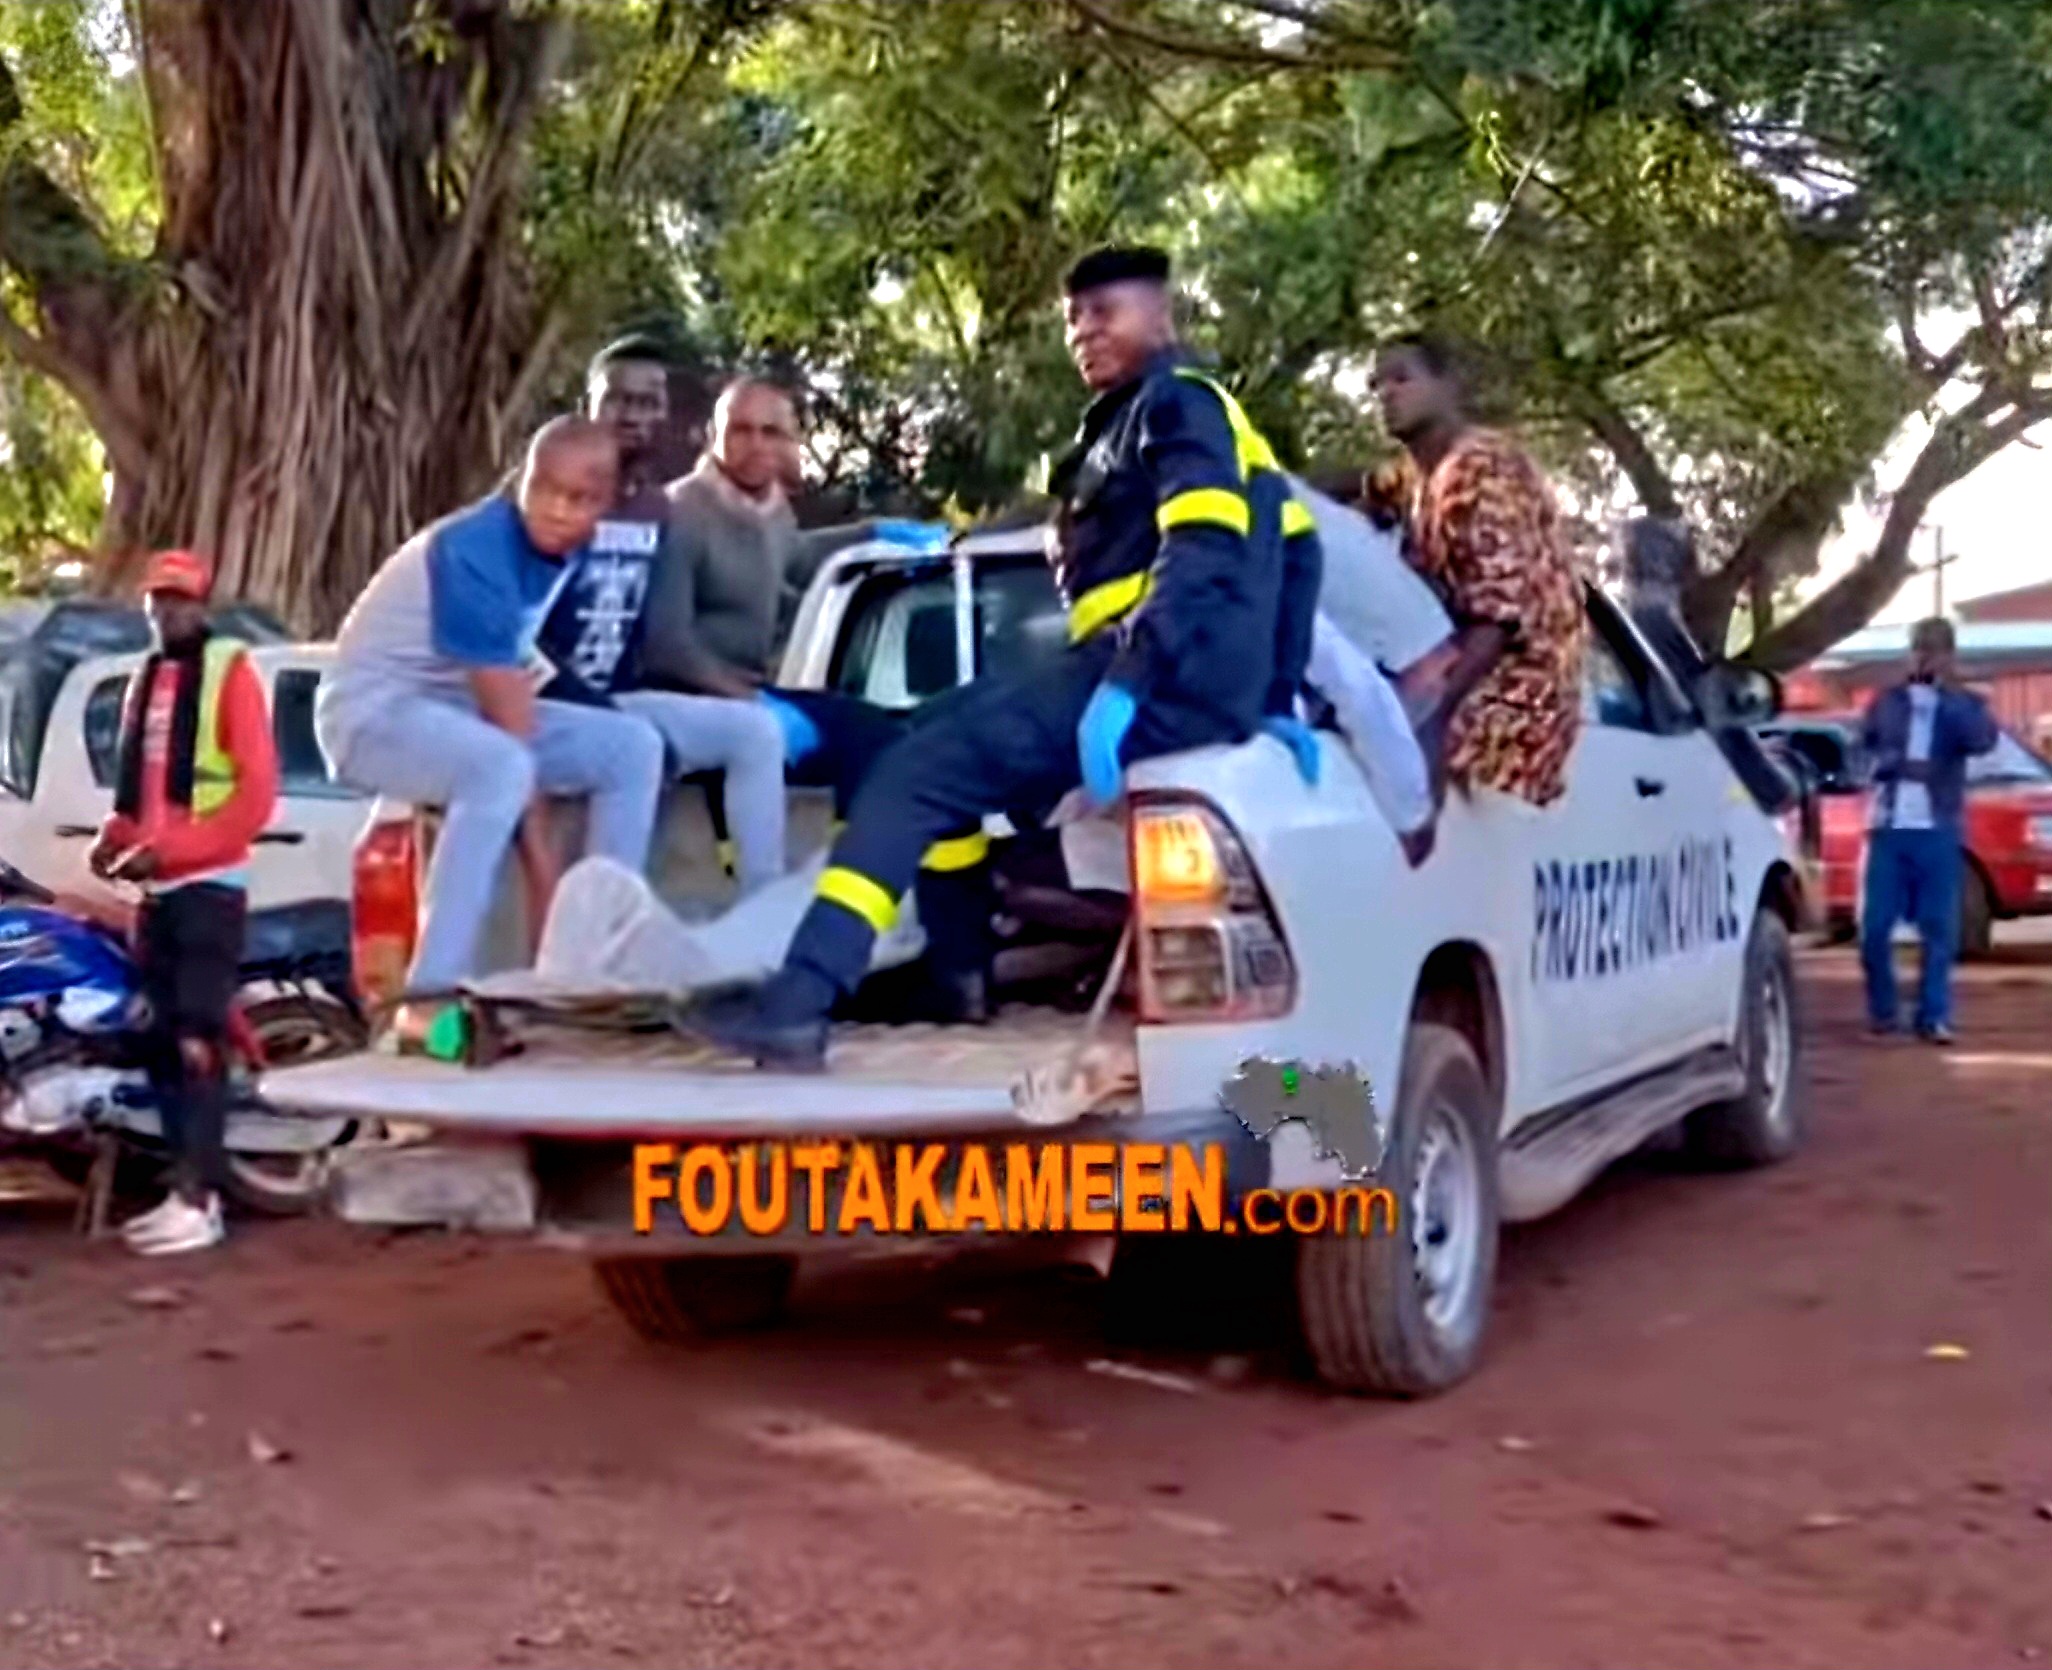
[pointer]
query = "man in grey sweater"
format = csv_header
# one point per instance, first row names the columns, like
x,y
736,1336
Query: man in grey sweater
x,y
738,560
736,564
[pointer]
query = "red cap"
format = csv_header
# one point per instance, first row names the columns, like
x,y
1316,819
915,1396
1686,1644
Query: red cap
x,y
181,572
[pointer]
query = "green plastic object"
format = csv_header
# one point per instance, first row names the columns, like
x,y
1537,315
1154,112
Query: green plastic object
x,y
448,1034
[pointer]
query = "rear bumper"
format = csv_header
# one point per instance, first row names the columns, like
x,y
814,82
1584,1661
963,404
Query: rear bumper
x,y
578,1194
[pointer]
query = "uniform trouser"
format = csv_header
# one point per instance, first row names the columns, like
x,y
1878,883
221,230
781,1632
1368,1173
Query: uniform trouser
x,y
999,745
954,892
188,945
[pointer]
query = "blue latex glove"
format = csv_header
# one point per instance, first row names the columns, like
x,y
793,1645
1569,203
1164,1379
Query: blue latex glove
x,y
920,536
801,735
1299,739
1099,734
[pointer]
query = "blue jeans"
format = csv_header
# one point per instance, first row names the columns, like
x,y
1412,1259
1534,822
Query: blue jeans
x,y
744,742
438,753
1913,873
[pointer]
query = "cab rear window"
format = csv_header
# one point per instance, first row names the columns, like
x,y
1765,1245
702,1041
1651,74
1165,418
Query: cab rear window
x,y
898,648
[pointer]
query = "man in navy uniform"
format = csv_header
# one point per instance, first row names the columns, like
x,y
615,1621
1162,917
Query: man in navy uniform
x,y
1169,553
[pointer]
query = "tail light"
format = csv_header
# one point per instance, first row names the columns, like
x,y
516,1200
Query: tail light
x,y
1210,946
384,910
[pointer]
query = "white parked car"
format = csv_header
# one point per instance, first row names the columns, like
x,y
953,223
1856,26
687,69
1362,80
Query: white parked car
x,y
60,715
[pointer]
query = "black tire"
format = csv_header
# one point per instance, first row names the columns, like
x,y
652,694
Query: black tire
x,y
1766,1123
1190,1288
678,1300
1371,1321
293,1031
1976,916
139,1173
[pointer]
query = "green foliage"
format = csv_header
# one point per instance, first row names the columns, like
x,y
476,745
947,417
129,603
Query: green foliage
x,y
50,471
1687,231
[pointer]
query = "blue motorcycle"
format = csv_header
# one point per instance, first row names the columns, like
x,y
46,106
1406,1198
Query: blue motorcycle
x,y
71,1083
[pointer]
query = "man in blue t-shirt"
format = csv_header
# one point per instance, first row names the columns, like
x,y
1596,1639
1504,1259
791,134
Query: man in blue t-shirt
x,y
432,697
594,632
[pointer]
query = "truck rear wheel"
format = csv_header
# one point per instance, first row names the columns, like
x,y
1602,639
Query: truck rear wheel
x,y
1764,1124
1404,1313
676,1300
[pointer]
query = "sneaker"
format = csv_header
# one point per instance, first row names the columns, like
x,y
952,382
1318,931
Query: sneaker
x,y
1940,1034
183,1227
145,1226
1884,1029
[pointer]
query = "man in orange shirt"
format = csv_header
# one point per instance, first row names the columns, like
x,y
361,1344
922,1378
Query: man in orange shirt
x,y
196,779
1484,529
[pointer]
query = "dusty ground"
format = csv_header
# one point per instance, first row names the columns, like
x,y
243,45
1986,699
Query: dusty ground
x,y
1710,1432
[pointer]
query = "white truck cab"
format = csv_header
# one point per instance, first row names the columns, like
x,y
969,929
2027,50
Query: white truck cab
x,y
1549,991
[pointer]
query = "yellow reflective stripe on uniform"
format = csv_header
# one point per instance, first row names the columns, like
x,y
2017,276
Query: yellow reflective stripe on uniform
x,y
853,891
1297,518
964,852
213,769
1215,506
1101,605
1248,442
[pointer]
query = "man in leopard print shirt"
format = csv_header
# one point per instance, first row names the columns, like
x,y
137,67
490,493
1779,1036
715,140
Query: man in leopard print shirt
x,y
1484,528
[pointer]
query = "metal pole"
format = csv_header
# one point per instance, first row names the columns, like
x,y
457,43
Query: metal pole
x,y
965,616
1938,571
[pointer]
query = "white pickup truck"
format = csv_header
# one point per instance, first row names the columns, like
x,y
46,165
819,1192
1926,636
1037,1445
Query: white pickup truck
x,y
1550,991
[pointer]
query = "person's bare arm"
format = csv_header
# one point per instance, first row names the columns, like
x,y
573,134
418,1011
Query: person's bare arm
x,y
1476,649
505,696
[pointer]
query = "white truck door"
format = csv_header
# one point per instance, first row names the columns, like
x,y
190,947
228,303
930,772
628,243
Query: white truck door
x,y
1629,881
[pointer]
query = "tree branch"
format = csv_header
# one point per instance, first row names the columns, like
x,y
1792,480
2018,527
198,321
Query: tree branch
x,y
1913,349
1788,532
1959,444
1233,52
1634,454
74,283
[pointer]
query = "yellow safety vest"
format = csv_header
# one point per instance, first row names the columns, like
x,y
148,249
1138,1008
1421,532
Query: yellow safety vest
x,y
213,768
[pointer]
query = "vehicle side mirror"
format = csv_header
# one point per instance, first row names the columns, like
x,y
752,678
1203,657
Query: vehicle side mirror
x,y
1731,695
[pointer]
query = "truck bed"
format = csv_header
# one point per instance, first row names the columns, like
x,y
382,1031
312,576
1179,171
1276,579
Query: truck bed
x,y
880,1080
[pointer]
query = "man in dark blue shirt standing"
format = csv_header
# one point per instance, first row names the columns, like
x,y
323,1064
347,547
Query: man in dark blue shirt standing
x,y
1920,734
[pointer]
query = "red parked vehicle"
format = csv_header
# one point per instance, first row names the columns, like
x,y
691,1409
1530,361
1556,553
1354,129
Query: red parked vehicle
x,y
2008,825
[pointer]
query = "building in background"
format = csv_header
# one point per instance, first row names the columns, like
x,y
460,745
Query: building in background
x,y
2005,653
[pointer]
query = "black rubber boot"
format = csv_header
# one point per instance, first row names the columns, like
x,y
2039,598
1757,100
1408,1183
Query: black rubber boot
x,y
957,999
783,1028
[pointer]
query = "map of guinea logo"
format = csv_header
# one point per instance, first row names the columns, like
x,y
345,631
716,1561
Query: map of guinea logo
x,y
1336,1104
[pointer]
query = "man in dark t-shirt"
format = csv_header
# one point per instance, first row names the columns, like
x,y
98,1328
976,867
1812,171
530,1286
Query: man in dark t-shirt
x,y
595,632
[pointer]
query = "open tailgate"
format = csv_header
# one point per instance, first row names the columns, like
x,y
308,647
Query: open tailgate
x,y
882,1081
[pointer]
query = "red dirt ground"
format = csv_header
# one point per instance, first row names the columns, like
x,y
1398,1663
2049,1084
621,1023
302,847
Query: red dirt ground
x,y
1708,1432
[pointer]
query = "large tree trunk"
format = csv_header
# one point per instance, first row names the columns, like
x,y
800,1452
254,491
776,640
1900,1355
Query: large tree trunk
x,y
337,330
